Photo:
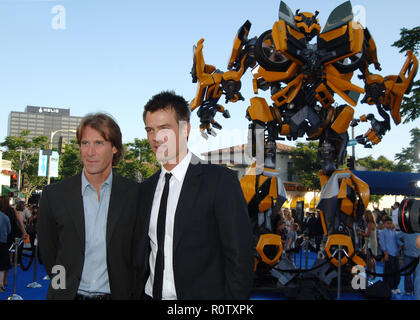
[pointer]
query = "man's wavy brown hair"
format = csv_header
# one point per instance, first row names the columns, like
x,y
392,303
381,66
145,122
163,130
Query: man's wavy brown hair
x,y
107,127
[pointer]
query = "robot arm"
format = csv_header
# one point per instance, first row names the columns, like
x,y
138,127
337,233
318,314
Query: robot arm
x,y
387,94
213,83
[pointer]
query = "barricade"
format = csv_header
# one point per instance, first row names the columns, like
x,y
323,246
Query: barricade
x,y
14,248
35,284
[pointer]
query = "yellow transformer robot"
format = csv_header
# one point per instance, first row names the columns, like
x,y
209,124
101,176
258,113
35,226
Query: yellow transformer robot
x,y
303,76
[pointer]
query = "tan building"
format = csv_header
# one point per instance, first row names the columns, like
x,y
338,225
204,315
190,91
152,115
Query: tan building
x,y
43,121
238,159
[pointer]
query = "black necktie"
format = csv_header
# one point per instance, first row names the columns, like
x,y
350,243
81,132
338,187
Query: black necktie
x,y
160,232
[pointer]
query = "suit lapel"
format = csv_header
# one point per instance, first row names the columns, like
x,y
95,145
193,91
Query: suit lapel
x,y
149,189
116,201
187,197
74,200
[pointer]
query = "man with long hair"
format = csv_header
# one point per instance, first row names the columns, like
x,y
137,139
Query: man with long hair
x,y
87,224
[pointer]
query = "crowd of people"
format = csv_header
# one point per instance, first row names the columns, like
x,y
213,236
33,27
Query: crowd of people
x,y
378,237
183,230
16,221
293,231
381,239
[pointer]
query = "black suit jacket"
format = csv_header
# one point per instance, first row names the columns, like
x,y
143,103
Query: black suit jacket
x,y
61,235
212,245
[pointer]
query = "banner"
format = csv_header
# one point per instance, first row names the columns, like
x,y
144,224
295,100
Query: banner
x,y
43,164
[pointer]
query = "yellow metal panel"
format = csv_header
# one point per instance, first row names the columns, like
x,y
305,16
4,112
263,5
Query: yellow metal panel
x,y
342,123
356,38
259,110
324,226
288,93
296,34
323,179
248,187
330,35
347,206
285,129
339,239
362,188
269,239
237,46
279,35
342,193
273,76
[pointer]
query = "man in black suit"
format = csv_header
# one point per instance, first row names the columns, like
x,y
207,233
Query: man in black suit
x,y
197,231
88,224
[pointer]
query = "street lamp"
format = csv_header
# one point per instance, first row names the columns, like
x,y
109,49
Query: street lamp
x,y
50,151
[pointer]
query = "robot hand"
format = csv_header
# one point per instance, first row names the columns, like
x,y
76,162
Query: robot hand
x,y
375,133
206,113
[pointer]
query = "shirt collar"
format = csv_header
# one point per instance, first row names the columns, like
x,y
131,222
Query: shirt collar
x,y
86,183
180,169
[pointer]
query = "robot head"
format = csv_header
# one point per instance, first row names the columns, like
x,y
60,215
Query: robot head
x,y
307,23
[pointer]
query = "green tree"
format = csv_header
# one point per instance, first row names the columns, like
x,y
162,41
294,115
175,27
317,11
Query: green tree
x,y
139,161
380,164
70,162
306,165
410,40
19,146
410,157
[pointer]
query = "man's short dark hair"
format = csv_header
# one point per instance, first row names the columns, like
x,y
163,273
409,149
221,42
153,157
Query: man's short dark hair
x,y
109,130
168,99
387,218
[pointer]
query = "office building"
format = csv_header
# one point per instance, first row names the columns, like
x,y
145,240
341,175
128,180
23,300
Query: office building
x,y
43,121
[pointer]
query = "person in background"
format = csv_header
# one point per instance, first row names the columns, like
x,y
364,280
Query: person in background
x,y
27,213
305,222
17,229
389,244
282,231
291,241
20,207
5,265
371,240
379,217
31,225
395,209
383,219
288,219
276,216
410,254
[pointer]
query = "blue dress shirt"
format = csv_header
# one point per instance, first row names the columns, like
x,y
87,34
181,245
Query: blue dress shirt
x,y
389,241
409,242
95,272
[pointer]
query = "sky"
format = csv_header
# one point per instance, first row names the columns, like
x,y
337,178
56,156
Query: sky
x,y
113,55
